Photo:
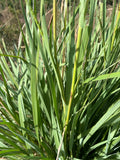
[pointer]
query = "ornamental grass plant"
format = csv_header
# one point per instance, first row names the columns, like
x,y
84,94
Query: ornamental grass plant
x,y
60,95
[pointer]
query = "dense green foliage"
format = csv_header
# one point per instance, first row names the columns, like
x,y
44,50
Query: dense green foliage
x,y
59,95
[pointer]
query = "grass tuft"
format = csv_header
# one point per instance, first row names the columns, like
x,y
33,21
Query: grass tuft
x,y
59,96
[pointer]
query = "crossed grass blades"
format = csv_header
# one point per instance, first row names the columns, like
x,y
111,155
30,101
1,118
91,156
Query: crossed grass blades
x,y
60,96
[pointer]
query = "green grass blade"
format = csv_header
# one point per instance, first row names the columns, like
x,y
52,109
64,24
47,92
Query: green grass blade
x,y
103,119
103,77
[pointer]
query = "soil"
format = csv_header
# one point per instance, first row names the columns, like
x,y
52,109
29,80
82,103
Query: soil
x,y
9,28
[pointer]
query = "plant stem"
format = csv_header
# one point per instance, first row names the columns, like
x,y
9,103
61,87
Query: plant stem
x,y
54,27
74,73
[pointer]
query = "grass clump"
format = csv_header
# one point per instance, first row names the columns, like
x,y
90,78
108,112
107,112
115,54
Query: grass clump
x,y
59,97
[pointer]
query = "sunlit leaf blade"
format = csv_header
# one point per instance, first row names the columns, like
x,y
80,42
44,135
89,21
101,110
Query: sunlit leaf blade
x,y
103,119
103,77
